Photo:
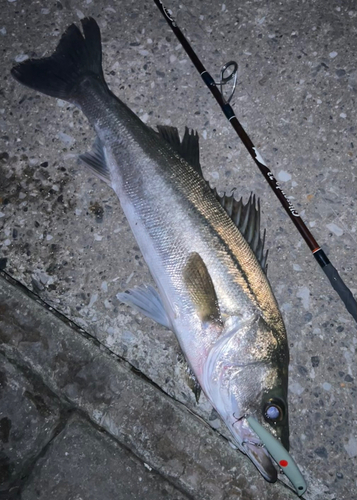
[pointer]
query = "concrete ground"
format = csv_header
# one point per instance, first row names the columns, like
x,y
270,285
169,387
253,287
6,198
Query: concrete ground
x,y
94,402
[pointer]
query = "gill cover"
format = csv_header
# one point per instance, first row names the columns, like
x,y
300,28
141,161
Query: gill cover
x,y
240,376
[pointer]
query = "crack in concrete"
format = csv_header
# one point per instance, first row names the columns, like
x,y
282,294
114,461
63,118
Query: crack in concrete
x,y
118,358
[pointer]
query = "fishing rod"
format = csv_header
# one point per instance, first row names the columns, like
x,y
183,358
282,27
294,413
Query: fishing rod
x,y
320,256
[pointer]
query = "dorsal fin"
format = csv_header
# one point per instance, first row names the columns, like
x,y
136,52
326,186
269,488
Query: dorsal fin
x,y
188,148
247,219
245,216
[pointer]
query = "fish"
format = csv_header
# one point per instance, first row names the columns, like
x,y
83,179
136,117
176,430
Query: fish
x,y
205,251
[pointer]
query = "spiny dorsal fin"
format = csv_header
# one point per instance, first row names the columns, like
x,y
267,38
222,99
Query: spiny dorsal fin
x,y
95,161
247,219
188,148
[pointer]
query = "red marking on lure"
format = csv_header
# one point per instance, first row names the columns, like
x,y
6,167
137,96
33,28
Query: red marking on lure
x,y
284,463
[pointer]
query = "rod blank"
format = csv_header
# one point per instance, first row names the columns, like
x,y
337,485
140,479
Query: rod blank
x,y
330,271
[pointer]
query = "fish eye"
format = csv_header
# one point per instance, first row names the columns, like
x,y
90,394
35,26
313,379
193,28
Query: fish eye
x,y
274,411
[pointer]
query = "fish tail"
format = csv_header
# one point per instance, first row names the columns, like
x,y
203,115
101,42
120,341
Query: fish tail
x,y
76,57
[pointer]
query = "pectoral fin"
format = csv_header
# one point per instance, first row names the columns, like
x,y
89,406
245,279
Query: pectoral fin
x,y
201,289
146,300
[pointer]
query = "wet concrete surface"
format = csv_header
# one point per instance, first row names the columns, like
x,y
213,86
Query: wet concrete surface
x,y
85,463
64,236
30,415
112,410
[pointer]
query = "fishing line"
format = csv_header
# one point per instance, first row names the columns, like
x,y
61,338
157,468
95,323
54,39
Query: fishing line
x,y
336,281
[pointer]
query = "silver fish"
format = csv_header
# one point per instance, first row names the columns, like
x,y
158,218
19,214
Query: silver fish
x,y
213,290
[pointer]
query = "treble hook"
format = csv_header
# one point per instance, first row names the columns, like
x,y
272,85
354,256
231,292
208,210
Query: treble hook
x,y
225,79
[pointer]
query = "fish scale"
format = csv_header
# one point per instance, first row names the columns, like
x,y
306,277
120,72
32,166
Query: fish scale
x,y
170,185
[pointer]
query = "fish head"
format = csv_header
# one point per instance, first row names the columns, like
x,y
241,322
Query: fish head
x,y
247,376
272,414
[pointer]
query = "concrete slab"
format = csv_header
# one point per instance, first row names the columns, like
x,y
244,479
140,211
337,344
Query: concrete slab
x,y
160,431
83,462
65,236
29,417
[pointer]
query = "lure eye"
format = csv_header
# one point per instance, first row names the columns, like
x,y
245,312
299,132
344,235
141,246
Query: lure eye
x,y
273,411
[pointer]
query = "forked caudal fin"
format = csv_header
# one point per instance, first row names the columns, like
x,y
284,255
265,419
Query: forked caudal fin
x,y
76,56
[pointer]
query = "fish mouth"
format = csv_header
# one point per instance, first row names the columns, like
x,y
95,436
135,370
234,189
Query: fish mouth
x,y
261,459
254,448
